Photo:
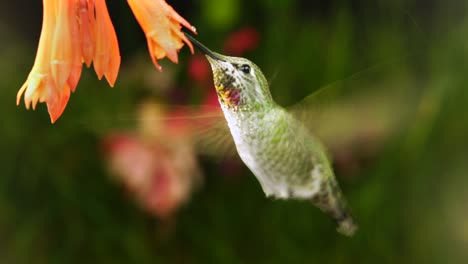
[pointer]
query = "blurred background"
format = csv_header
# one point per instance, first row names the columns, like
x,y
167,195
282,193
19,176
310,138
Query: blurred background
x,y
119,179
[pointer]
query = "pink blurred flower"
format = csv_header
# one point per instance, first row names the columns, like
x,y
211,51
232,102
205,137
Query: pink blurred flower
x,y
210,102
241,41
157,164
199,70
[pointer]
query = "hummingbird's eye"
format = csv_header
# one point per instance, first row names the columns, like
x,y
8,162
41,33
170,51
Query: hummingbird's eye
x,y
245,68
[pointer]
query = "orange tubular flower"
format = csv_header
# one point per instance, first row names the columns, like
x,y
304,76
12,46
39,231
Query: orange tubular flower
x,y
162,26
73,32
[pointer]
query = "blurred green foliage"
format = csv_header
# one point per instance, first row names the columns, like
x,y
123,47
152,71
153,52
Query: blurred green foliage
x,y
59,205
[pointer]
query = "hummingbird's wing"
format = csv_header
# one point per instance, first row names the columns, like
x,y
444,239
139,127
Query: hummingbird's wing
x,y
366,108
202,126
213,137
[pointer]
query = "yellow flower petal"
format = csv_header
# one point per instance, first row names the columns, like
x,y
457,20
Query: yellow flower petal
x,y
40,70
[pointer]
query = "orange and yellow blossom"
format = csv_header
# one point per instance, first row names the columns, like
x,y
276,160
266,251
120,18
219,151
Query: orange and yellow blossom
x,y
162,26
73,32
81,31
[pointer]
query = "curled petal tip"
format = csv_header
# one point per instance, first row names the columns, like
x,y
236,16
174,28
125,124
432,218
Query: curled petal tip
x,y
158,67
189,44
20,93
155,63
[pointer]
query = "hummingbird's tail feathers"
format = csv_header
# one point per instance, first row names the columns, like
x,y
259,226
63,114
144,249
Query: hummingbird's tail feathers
x,y
331,201
340,213
346,225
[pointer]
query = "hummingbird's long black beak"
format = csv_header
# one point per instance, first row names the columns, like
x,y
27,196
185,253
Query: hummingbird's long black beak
x,y
203,48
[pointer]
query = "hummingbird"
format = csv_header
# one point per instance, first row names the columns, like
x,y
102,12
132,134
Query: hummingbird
x,y
286,158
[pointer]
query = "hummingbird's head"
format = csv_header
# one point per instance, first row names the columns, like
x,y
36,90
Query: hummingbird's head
x,y
238,81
